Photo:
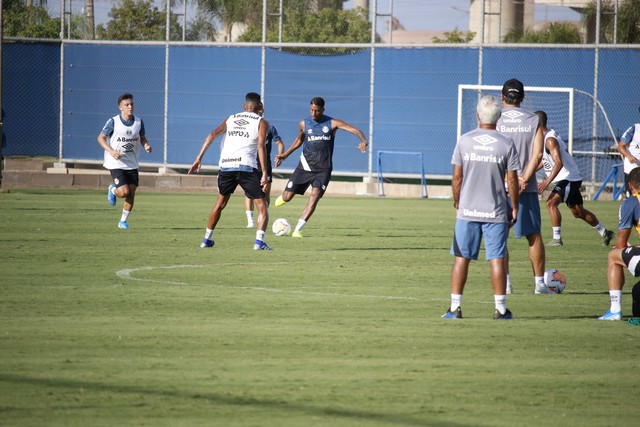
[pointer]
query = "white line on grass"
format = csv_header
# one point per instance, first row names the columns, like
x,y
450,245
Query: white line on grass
x,y
127,274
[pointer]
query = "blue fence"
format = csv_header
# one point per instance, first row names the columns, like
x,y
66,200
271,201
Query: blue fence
x,y
413,109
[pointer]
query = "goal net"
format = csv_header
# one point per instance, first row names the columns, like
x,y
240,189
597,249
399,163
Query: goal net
x,y
579,119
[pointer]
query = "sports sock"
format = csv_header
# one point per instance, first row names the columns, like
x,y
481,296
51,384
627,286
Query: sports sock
x,y
260,235
125,215
557,232
616,297
538,280
208,233
600,229
300,225
456,301
508,280
113,190
501,303
249,217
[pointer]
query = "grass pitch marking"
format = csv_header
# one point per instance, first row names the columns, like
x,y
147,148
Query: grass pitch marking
x,y
127,274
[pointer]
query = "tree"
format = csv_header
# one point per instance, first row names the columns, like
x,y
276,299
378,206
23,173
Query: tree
x,y
138,20
326,26
628,25
455,36
21,20
555,33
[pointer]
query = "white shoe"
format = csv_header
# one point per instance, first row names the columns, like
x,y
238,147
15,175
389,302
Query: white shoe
x,y
251,225
509,289
541,289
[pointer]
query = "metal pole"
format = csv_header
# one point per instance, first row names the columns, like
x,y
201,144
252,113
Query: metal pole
x,y
1,107
594,124
372,74
263,63
165,157
184,20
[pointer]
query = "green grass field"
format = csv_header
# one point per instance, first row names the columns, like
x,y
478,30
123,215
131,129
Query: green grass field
x,y
108,327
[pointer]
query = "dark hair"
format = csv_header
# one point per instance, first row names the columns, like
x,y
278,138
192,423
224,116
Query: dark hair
x,y
124,96
318,101
634,179
542,118
252,96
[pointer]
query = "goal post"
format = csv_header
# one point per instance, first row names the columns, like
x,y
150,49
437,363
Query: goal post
x,y
577,116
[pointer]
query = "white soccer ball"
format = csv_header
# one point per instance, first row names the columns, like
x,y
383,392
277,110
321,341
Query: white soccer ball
x,y
555,280
281,227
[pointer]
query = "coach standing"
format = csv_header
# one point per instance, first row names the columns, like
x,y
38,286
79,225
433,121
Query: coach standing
x,y
481,160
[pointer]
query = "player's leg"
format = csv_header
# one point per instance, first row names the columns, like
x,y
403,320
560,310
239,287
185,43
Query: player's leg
x,y
529,225
319,183
618,260
227,183
248,210
495,242
467,237
553,204
250,183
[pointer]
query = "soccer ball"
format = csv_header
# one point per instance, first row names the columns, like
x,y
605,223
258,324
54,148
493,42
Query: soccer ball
x,y
555,280
281,227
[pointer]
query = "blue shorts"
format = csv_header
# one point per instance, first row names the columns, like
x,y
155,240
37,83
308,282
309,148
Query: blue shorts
x,y
529,219
469,234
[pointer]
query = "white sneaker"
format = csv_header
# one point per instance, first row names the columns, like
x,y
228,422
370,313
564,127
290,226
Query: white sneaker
x,y
542,289
251,225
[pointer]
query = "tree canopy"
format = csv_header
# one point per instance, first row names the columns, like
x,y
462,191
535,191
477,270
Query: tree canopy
x,y
138,20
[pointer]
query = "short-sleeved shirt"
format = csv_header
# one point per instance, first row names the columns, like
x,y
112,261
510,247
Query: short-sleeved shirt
x,y
123,136
521,126
631,137
485,157
629,213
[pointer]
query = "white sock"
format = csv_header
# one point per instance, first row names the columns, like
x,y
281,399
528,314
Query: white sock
x,y
616,297
300,225
557,232
501,303
125,215
538,280
508,280
260,235
113,190
208,233
456,301
249,217
600,229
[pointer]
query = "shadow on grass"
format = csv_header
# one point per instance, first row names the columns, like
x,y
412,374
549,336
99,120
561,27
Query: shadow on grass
x,y
217,398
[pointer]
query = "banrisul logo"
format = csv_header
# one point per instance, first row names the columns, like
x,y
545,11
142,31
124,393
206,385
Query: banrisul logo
x,y
484,139
512,114
241,122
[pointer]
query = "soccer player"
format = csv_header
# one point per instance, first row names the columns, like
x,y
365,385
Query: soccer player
x,y
629,148
317,132
121,152
481,160
522,126
622,255
272,135
562,171
245,135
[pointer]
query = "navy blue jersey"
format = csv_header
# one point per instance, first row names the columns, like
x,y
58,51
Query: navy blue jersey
x,y
317,153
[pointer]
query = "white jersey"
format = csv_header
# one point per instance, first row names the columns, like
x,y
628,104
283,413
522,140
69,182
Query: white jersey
x,y
570,171
632,138
240,147
126,140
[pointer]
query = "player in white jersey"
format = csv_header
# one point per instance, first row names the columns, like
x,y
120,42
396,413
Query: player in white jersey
x,y
482,159
562,172
243,148
126,135
629,148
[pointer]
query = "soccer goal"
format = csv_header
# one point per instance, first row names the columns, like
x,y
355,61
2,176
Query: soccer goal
x,y
400,161
579,119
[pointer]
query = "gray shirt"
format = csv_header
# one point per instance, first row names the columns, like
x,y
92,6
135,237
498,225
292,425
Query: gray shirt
x,y
521,126
485,156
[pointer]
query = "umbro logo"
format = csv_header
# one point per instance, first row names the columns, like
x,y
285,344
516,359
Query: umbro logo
x,y
241,122
484,139
512,114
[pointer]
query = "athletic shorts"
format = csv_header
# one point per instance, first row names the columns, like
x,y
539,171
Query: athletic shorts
x,y
122,177
569,191
529,219
302,179
631,258
248,181
469,234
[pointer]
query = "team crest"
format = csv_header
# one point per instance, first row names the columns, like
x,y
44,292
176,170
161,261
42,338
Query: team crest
x,y
241,122
129,132
325,129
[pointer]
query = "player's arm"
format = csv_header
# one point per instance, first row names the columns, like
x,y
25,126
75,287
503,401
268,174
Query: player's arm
x,y
551,144
263,129
514,194
622,238
456,184
145,144
102,139
536,156
294,145
339,124
623,146
221,129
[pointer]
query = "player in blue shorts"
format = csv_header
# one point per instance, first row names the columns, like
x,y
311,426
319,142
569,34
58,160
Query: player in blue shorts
x,y
622,255
317,133
481,161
